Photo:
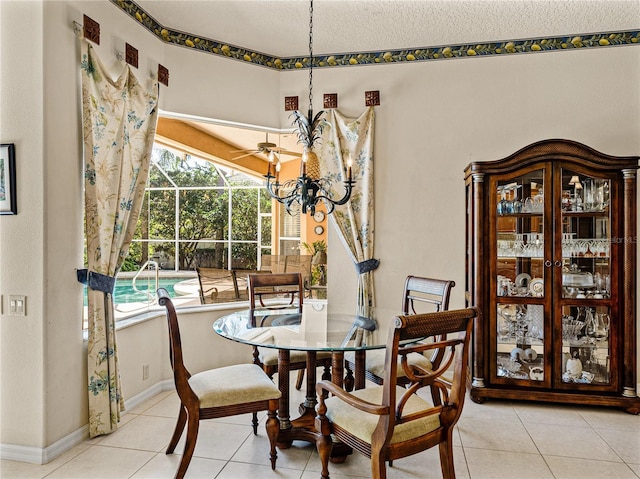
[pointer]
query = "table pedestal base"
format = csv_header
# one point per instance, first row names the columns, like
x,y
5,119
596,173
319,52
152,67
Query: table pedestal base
x,y
303,428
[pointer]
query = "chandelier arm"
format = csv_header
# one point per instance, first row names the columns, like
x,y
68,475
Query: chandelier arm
x,y
348,185
300,193
275,193
282,199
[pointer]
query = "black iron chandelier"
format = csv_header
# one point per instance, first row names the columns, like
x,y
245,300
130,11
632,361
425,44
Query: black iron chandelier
x,y
309,189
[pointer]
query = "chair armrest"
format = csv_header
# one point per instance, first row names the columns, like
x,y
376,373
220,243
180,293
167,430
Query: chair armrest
x,y
350,399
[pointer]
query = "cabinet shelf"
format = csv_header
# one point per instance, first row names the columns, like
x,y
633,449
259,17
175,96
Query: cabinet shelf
x,y
567,345
585,257
543,346
520,215
586,214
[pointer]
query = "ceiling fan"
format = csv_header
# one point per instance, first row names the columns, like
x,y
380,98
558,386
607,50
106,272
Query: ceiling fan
x,y
265,148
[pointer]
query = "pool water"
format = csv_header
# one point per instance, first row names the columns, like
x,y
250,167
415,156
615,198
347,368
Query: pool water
x,y
124,292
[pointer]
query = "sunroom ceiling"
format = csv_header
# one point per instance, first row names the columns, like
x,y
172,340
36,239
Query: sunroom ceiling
x,y
280,27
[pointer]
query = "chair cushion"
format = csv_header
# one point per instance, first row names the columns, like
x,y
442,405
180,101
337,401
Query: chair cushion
x,y
237,384
375,362
362,424
269,356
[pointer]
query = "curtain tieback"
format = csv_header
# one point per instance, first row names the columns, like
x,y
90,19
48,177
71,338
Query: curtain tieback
x,y
96,281
367,265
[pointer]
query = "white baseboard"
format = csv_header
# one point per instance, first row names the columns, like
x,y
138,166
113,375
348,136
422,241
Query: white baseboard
x,y
140,398
36,455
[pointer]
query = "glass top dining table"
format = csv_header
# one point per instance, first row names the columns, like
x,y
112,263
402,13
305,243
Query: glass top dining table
x,y
312,331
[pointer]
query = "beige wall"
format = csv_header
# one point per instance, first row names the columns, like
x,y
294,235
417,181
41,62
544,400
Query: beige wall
x,y
22,339
435,118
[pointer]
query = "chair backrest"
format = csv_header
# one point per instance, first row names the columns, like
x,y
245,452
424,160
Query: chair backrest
x,y
450,392
434,292
217,285
273,263
242,281
275,285
290,263
299,264
180,374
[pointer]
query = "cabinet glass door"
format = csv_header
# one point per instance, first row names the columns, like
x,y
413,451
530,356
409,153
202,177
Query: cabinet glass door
x,y
520,252
586,278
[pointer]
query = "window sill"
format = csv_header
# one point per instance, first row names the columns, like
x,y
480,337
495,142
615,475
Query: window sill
x,y
158,311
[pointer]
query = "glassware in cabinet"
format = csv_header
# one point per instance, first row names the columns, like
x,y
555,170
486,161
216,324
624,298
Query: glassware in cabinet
x,y
586,236
520,235
519,342
586,355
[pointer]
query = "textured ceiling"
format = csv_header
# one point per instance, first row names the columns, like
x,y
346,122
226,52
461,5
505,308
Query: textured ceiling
x,y
280,27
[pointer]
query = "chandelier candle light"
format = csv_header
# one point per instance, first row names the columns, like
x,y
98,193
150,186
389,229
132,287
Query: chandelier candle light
x,y
309,188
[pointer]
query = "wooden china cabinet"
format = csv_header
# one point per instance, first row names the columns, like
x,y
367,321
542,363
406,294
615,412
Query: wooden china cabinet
x,y
551,264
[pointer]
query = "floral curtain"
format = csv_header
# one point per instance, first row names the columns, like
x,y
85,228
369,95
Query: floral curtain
x,y
344,138
119,122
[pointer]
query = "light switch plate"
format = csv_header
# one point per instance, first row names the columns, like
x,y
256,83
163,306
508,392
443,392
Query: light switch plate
x,y
17,305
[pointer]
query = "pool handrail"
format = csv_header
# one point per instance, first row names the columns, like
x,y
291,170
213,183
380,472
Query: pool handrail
x,y
152,295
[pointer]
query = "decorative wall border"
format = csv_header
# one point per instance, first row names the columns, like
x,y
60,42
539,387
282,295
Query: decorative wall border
x,y
444,52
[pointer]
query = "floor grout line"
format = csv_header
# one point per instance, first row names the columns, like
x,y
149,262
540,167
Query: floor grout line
x,y
298,463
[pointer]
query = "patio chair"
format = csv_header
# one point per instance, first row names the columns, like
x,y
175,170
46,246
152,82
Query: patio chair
x,y
219,286
290,263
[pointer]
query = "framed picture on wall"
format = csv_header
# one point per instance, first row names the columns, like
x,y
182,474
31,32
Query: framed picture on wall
x,y
8,205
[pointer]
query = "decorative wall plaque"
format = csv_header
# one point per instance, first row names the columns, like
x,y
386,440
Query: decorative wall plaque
x,y
91,30
330,100
290,103
372,98
163,75
131,55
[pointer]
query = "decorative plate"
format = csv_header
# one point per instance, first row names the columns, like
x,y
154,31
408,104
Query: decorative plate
x,y
523,279
530,355
536,373
536,286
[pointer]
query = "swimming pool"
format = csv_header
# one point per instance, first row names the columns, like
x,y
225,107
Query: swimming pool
x,y
124,292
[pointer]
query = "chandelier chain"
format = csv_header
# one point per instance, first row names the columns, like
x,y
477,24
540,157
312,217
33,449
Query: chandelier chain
x,y
310,55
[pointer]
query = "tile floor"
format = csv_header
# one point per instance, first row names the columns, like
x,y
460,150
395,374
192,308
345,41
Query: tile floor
x,y
498,439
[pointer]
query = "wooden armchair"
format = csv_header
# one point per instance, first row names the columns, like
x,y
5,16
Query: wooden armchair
x,y
389,422
420,295
222,392
288,290
219,286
